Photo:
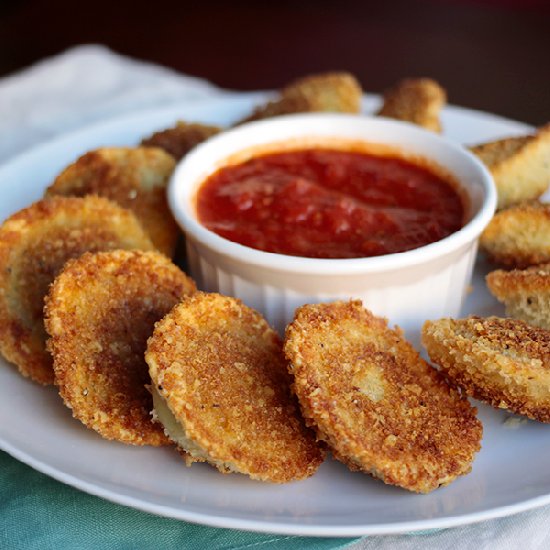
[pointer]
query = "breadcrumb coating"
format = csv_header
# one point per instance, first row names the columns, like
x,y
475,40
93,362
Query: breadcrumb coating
x,y
337,92
35,243
380,407
525,293
181,138
520,165
415,100
134,178
504,362
519,236
221,371
99,313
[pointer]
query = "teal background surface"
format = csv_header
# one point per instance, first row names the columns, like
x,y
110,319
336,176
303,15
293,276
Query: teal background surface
x,y
39,513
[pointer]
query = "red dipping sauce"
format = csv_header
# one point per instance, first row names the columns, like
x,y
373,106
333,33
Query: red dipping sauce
x,y
328,203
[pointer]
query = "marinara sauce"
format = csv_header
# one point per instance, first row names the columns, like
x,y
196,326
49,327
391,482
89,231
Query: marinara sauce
x,y
325,203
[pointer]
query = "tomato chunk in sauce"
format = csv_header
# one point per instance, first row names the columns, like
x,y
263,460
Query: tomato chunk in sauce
x,y
324,203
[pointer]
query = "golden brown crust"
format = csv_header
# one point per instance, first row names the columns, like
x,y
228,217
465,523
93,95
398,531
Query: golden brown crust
x,y
492,153
504,362
99,313
378,405
519,236
134,178
221,370
35,243
416,100
505,283
519,165
525,293
181,138
331,92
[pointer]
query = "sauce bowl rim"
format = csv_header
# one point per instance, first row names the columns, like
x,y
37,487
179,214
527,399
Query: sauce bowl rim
x,y
180,202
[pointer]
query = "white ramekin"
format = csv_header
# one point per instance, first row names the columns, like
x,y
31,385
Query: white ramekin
x,y
407,288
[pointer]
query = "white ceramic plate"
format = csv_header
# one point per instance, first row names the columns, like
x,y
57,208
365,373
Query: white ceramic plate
x,y
509,475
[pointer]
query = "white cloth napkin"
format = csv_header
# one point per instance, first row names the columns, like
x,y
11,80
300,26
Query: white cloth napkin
x,y
83,85
89,83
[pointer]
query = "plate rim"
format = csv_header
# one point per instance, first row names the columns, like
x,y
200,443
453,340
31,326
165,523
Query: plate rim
x,y
259,526
255,525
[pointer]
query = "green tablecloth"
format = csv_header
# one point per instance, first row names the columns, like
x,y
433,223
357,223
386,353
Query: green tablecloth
x,y
39,513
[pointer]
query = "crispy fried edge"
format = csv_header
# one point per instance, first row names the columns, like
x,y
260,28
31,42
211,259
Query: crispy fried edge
x,y
344,448
505,244
12,335
64,293
178,140
467,363
331,92
524,292
126,166
186,416
415,100
519,165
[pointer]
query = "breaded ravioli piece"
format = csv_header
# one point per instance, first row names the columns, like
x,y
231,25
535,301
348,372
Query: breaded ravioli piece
x,y
504,362
181,138
520,165
99,313
35,243
336,92
222,391
379,406
524,292
134,178
519,236
416,100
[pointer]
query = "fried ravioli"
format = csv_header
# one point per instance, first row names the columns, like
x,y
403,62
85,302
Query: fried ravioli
x,y
330,92
181,138
524,292
520,165
519,236
99,313
504,362
379,406
35,243
134,178
416,100
222,391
